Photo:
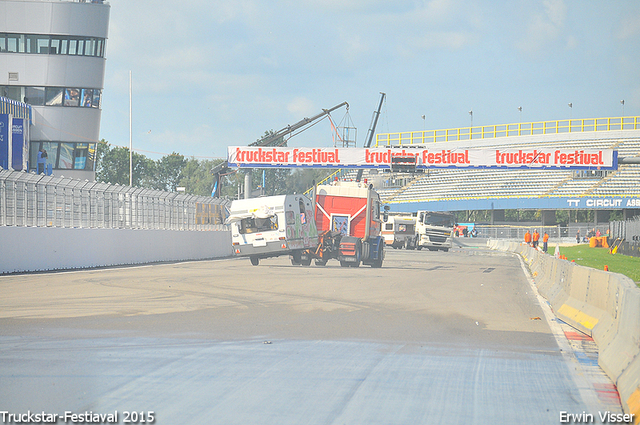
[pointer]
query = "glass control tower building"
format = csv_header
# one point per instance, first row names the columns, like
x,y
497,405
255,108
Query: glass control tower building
x,y
52,56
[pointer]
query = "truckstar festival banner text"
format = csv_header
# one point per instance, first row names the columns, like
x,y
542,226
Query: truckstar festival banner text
x,y
289,157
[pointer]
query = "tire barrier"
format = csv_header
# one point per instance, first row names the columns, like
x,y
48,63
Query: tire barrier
x,y
601,304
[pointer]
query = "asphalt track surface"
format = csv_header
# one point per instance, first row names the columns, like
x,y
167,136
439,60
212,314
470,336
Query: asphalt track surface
x,y
429,338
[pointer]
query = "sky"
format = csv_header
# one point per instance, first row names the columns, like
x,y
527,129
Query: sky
x,y
207,74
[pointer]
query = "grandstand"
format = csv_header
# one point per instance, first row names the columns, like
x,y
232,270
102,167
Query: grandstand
x,y
499,189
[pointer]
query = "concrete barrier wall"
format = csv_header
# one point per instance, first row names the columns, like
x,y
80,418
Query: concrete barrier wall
x,y
601,304
24,249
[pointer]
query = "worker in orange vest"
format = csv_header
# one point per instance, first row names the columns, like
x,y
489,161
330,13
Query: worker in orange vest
x,y
535,237
545,241
527,238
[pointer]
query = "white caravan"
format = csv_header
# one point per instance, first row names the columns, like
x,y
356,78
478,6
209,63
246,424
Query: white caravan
x,y
272,226
400,231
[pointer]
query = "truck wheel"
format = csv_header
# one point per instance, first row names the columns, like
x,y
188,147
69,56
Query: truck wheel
x,y
344,264
306,261
321,263
376,264
358,255
445,249
296,258
254,260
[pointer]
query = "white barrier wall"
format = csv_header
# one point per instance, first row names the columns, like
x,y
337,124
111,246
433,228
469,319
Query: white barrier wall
x,y
25,249
601,304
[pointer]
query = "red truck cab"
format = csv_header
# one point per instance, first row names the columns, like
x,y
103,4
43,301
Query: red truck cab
x,y
349,212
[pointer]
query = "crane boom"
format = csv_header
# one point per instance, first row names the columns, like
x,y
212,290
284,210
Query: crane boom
x,y
372,130
268,140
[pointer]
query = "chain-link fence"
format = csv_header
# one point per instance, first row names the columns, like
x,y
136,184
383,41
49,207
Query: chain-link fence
x,y
28,199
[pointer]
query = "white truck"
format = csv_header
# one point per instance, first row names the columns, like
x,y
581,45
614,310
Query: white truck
x,y
435,230
272,226
400,231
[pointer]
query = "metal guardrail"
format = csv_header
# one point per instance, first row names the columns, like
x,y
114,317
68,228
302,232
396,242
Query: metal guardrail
x,y
556,233
517,232
15,108
628,230
508,130
28,199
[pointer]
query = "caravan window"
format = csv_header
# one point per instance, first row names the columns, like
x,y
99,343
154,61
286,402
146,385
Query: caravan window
x,y
303,212
406,228
257,225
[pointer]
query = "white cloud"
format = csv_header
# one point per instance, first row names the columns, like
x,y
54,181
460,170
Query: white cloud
x,y
301,107
545,27
556,11
629,27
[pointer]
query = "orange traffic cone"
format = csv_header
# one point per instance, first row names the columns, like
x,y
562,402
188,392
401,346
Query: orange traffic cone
x,y
606,268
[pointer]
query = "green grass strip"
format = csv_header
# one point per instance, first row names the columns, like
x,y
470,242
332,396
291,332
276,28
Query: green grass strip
x,y
597,258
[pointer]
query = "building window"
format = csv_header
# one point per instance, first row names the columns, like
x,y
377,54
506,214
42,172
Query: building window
x,y
55,46
34,96
44,44
54,96
64,155
15,43
71,97
80,51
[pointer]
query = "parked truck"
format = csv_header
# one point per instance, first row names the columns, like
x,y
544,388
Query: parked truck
x,y
435,230
341,221
400,231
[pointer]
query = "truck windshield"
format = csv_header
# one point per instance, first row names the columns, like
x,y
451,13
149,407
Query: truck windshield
x,y
439,220
255,225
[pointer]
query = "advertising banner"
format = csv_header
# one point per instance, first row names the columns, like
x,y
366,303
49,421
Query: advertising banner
x,y
18,145
544,203
424,158
5,140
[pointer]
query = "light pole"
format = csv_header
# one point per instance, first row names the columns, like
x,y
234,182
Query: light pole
x,y
520,109
570,113
622,103
130,136
424,123
471,115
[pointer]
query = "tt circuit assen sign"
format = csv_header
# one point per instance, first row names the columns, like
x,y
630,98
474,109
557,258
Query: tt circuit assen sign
x,y
424,158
